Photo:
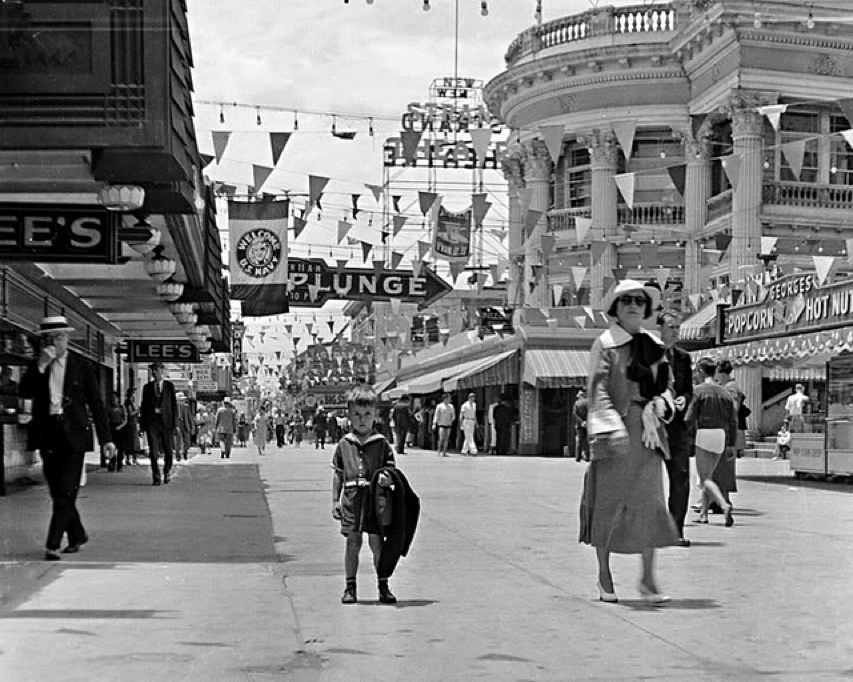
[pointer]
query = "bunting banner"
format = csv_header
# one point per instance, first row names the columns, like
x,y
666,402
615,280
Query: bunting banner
x,y
582,226
260,175
366,248
341,263
395,198
846,106
220,142
298,225
399,221
480,140
456,269
316,185
206,160
278,141
258,256
848,136
598,249
649,256
731,164
768,244
423,249
578,276
547,242
625,134
552,136
452,236
678,175
822,266
531,221
426,199
343,228
410,139
376,190
480,207
580,321
417,264
695,300
662,277
355,209
794,153
696,123
395,259
773,112
625,182
557,289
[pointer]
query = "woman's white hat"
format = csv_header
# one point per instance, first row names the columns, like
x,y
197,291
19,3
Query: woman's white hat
x,y
627,286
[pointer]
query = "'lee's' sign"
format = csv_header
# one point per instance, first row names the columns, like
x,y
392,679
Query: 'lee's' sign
x,y
178,351
64,234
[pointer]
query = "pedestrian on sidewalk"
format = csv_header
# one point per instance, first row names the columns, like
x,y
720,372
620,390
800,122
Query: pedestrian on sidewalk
x,y
318,425
468,419
131,435
242,431
225,426
158,418
261,431
711,414
504,416
280,427
680,445
445,415
623,508
298,428
118,421
580,413
783,441
186,426
63,391
358,456
795,406
725,475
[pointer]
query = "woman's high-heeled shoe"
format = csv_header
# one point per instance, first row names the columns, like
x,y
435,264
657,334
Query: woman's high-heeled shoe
x,y
650,596
730,520
609,597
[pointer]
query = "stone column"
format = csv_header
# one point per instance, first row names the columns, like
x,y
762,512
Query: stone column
x,y
537,173
697,191
747,127
513,170
603,156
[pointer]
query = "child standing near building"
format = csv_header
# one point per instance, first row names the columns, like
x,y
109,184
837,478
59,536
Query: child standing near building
x,y
783,440
358,456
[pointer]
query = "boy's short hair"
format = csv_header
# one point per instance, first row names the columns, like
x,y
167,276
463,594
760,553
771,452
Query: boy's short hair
x,y
362,395
707,367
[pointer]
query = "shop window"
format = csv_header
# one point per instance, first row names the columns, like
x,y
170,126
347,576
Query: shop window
x,y
800,122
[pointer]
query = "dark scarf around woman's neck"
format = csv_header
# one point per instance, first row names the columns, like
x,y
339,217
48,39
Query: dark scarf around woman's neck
x,y
645,352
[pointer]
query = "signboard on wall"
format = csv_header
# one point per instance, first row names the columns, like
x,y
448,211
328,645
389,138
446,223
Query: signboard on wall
x,y
177,351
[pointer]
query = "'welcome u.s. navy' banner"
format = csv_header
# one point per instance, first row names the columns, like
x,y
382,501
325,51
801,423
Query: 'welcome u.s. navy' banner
x,y
452,240
258,256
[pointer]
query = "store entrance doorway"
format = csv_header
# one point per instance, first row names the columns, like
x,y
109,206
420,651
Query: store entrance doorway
x,y
554,419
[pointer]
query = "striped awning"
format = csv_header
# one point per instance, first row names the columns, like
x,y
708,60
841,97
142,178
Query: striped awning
x,y
556,368
496,370
697,326
383,386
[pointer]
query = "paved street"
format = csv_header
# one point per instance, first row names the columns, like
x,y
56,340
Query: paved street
x,y
234,572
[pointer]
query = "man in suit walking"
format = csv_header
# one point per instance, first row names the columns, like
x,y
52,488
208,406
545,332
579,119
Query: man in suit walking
x,y
63,390
678,465
157,417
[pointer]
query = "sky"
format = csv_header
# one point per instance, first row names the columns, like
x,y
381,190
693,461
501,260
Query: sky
x,y
341,58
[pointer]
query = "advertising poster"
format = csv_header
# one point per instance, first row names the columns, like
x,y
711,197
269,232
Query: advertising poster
x,y
452,236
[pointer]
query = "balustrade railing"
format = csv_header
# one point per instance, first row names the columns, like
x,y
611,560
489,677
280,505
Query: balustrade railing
x,y
650,214
597,22
719,205
808,195
562,219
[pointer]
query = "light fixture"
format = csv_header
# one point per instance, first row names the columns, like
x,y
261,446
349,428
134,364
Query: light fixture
x,y
121,197
159,267
142,237
170,290
809,22
756,20
426,5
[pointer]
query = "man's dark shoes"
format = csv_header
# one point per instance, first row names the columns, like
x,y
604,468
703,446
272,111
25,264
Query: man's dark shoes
x,y
682,542
156,481
385,595
167,478
51,555
350,595
74,548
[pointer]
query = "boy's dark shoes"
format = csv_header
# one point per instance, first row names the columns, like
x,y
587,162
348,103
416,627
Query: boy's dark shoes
x,y
386,596
350,596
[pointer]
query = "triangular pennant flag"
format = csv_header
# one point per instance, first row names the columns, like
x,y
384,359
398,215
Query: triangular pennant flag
x,y
313,292
456,269
399,221
377,191
649,257
316,185
590,313
395,259
625,134
557,289
352,241
331,324
426,199
206,160
722,241
531,220
396,199
355,209
773,112
495,272
365,250
552,136
822,265
384,236
848,136
547,243
794,153
578,276
260,174
480,139
662,276
417,264
423,249
846,106
696,122
598,249
731,164
581,321
479,207
410,139
342,263
220,142
678,175
768,244
695,300
582,226
395,308
298,225
278,141
625,182
343,228
379,265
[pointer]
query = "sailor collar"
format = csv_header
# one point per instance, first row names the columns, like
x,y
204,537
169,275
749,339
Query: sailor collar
x,y
352,438
616,336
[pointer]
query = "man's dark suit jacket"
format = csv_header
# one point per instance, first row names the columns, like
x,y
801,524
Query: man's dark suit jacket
x,y
682,368
169,406
79,392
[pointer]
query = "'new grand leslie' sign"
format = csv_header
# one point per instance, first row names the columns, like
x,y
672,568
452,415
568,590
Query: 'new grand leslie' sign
x,y
792,305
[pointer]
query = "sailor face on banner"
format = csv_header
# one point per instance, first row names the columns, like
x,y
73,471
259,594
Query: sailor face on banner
x,y
259,253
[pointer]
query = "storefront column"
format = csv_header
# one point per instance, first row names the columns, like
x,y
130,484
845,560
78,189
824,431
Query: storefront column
x,y
749,380
747,126
603,155
537,174
697,190
513,170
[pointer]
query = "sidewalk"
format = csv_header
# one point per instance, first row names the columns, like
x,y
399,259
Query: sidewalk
x,y
234,572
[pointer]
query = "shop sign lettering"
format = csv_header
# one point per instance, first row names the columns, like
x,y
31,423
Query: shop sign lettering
x,y
177,351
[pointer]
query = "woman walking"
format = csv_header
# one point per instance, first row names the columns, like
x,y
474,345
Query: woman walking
x,y
131,431
242,430
623,508
261,431
118,420
298,428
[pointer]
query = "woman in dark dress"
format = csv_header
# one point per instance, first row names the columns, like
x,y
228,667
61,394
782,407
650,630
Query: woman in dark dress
x,y
118,420
131,431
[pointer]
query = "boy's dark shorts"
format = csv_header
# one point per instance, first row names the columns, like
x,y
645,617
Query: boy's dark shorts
x,y
355,518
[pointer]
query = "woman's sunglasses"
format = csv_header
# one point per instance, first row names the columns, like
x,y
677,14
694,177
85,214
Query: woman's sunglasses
x,y
637,300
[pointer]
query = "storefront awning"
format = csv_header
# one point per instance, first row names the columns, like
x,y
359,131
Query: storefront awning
x,y
697,326
493,371
556,368
383,386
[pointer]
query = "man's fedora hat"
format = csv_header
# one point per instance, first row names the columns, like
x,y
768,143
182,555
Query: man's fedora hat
x,y
56,323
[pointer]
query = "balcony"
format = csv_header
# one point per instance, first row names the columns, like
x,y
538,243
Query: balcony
x,y
563,219
632,20
650,214
808,195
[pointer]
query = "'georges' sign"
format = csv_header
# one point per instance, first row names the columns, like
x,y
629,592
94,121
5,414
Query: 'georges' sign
x,y
179,351
65,234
